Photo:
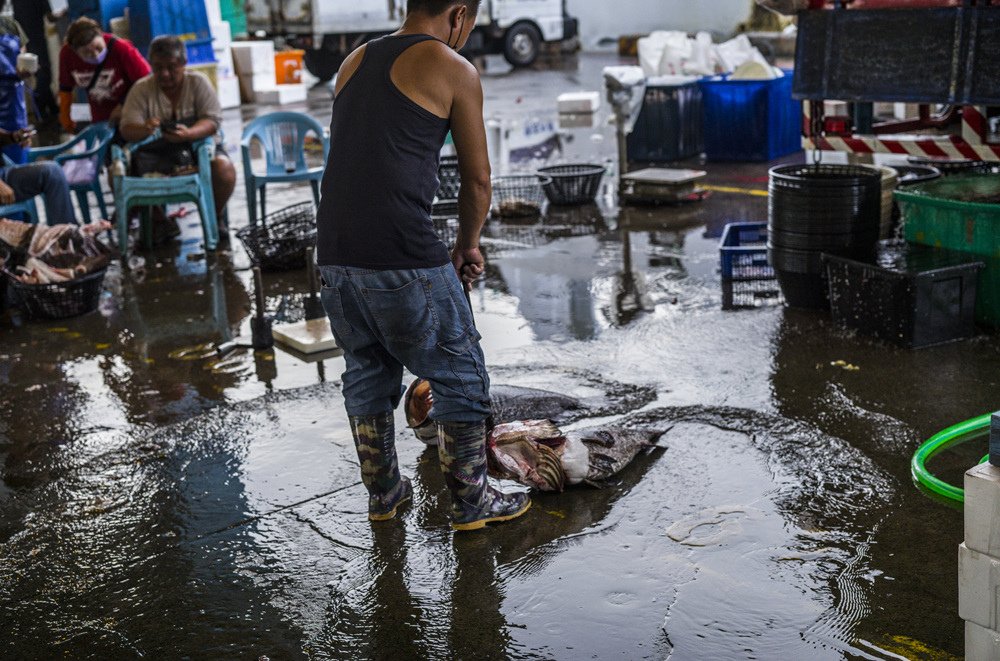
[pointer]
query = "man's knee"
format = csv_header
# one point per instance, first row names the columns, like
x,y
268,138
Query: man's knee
x,y
50,173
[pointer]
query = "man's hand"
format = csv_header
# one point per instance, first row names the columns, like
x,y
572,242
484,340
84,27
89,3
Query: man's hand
x,y
6,194
23,136
152,124
180,133
469,265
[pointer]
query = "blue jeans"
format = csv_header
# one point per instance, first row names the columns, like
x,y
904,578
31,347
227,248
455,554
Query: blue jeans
x,y
44,178
414,318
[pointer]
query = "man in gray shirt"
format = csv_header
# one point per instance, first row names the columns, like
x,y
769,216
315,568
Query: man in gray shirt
x,y
186,108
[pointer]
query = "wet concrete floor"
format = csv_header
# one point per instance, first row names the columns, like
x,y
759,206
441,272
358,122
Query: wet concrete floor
x,y
157,502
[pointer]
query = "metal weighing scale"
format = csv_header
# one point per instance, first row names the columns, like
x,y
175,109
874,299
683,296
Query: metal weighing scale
x,y
626,87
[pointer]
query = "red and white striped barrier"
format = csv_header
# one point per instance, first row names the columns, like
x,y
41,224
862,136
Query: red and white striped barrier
x,y
970,144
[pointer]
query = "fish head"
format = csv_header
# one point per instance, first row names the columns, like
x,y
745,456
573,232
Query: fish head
x,y
417,403
528,451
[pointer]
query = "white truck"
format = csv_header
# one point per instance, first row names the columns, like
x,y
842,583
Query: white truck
x,y
328,30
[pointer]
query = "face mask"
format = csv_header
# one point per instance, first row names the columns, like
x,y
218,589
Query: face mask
x,y
96,60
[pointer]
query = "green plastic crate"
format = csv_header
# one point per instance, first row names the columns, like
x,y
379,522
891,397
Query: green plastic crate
x,y
960,213
235,12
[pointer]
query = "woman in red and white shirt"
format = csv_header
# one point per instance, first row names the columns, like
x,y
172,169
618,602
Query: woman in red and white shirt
x,y
103,65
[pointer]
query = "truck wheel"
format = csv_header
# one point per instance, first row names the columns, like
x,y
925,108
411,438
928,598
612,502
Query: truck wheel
x,y
522,44
323,63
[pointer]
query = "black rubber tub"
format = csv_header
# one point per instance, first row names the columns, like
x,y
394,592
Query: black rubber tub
x,y
815,209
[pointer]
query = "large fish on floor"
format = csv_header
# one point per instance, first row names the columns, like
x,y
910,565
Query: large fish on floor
x,y
540,455
524,444
508,403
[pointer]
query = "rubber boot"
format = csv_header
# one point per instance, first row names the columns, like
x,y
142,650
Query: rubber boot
x,y
374,439
462,451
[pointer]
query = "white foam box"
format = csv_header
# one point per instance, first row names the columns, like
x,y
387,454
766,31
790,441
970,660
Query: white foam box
x,y
214,10
253,84
579,120
253,57
222,34
280,95
224,61
981,644
578,102
310,336
978,587
229,92
982,509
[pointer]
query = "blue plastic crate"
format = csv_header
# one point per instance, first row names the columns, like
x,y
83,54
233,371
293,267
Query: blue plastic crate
x,y
199,51
750,120
743,252
186,19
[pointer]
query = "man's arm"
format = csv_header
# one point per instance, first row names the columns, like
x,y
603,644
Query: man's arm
x,y
206,107
469,134
135,124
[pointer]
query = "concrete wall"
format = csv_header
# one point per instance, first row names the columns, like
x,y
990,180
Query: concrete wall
x,y
611,18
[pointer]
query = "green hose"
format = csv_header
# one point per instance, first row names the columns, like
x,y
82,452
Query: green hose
x,y
939,442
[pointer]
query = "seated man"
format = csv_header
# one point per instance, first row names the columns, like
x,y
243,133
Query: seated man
x,y
185,107
22,182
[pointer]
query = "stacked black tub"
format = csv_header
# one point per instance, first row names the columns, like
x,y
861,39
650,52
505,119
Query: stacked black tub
x,y
816,209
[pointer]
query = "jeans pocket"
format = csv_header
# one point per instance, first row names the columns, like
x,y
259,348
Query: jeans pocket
x,y
405,314
330,297
460,345
466,361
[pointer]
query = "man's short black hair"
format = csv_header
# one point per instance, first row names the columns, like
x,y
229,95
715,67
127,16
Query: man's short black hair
x,y
438,7
168,47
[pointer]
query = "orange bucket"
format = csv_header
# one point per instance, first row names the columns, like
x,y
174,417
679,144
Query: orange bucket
x,y
288,66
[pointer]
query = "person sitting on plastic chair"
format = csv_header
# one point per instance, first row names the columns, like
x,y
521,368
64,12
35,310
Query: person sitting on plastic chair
x,y
185,107
45,178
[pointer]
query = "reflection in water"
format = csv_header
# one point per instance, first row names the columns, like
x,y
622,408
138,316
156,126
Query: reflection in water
x,y
886,408
553,286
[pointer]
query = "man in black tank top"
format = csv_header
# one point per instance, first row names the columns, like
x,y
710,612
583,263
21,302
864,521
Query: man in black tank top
x,y
395,294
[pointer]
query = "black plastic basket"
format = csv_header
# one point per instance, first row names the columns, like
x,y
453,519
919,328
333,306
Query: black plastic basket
x,y
280,242
519,195
572,184
58,300
950,166
449,177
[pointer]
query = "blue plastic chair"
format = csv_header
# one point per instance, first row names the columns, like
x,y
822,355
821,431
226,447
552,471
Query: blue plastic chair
x,y
150,191
282,136
24,209
84,173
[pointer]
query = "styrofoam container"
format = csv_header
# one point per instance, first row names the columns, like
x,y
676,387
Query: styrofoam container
x,y
258,82
578,102
253,57
222,34
224,60
281,95
229,92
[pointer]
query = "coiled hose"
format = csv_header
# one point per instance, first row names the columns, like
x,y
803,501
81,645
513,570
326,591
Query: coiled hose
x,y
944,439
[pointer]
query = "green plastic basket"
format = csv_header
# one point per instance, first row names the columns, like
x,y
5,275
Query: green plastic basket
x,y
960,213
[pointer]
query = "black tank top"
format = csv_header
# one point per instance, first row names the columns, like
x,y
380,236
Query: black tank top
x,y
381,175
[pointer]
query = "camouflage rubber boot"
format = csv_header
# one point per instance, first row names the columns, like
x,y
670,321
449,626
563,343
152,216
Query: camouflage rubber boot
x,y
374,439
462,451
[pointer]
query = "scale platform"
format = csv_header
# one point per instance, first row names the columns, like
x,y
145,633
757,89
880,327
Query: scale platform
x,y
656,185
307,337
